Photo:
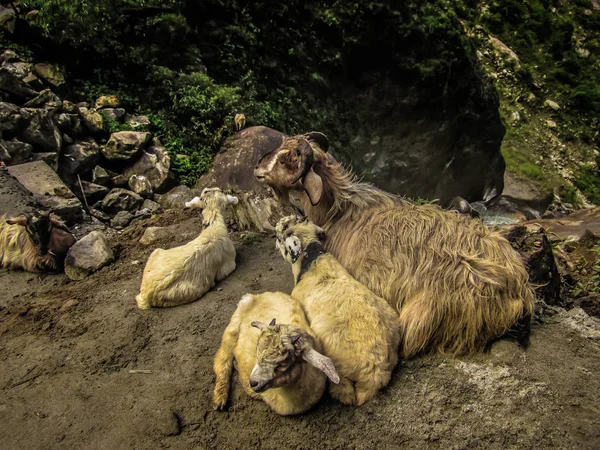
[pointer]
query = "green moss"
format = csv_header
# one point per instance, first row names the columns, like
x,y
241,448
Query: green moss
x,y
588,181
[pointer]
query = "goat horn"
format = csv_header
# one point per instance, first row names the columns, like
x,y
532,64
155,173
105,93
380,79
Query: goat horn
x,y
319,138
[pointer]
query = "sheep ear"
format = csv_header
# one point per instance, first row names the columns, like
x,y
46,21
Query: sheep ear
x,y
233,200
323,363
259,325
293,247
272,323
313,185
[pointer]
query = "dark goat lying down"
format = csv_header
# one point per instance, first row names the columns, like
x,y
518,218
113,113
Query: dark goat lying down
x,y
35,243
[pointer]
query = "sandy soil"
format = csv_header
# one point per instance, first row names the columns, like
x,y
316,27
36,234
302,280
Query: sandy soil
x,y
66,349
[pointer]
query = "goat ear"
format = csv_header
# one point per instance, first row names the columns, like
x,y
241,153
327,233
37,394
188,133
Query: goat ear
x,y
233,200
323,363
313,185
21,220
272,323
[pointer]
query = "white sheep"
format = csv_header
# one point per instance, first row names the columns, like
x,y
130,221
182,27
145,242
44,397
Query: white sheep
x,y
358,329
278,363
183,274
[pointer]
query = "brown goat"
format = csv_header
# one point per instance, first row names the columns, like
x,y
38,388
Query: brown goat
x,y
456,284
34,243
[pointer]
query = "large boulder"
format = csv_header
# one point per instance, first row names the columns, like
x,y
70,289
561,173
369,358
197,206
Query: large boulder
x,y
234,164
11,119
41,132
45,98
18,152
50,73
13,89
8,18
108,101
88,255
153,164
121,200
48,189
92,120
79,158
19,68
123,145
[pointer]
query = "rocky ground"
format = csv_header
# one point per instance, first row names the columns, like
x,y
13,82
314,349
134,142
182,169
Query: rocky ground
x,y
69,351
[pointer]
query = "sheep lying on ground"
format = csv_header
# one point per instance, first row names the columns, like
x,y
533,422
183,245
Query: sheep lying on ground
x,y
456,284
279,363
34,243
183,274
358,329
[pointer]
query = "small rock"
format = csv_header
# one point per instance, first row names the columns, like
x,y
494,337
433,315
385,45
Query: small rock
x,y
69,304
43,98
46,326
551,123
137,121
100,215
70,108
108,101
123,145
121,180
92,120
100,176
153,234
113,113
140,185
50,73
19,68
552,104
34,82
93,191
151,206
14,88
9,56
11,119
121,200
121,220
88,255
515,117
18,152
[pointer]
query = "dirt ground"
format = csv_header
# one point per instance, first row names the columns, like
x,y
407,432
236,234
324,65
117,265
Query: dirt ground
x,y
66,349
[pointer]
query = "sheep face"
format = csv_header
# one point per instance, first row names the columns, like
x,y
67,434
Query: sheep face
x,y
289,167
279,354
294,235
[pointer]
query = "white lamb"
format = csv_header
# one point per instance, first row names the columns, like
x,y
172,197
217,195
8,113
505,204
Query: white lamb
x,y
183,274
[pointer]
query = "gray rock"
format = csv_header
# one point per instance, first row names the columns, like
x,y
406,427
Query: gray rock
x,y
100,176
121,200
70,108
123,145
67,140
41,131
100,215
92,120
19,68
151,206
8,19
137,121
153,234
79,158
9,56
154,164
44,98
34,82
113,113
50,73
11,119
18,152
176,197
49,158
140,185
121,220
94,192
13,89
120,180
88,255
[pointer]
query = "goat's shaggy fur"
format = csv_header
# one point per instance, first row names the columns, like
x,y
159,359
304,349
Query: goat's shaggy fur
x,y
275,355
183,274
358,329
456,284
19,250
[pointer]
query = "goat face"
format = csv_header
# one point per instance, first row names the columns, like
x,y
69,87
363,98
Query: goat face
x,y
38,227
290,166
214,198
294,235
279,354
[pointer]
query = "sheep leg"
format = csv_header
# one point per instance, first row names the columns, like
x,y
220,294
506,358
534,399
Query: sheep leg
x,y
343,391
223,363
